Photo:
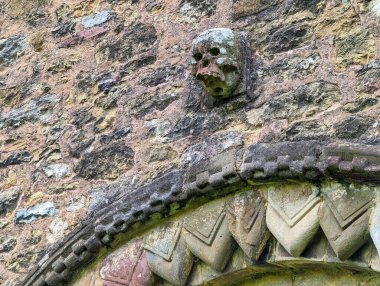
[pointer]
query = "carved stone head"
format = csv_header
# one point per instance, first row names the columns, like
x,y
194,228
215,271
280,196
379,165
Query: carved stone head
x,y
216,61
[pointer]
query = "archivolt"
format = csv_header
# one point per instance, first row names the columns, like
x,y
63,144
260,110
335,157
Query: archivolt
x,y
282,204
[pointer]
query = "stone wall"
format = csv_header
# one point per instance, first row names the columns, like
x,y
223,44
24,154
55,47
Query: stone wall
x,y
96,99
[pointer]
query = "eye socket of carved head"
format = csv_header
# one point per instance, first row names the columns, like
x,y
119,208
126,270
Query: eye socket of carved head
x,y
214,51
216,61
198,56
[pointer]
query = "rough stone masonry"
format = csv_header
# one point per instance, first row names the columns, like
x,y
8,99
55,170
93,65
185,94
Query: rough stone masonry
x,y
97,99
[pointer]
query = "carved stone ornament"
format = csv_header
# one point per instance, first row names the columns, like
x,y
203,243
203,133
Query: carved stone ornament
x,y
209,237
217,61
375,227
246,221
344,217
293,191
292,216
127,266
167,254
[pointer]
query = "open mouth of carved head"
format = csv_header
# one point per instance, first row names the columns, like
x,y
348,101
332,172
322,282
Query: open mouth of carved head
x,y
215,61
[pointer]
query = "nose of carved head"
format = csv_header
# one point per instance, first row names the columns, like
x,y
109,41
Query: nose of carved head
x,y
207,69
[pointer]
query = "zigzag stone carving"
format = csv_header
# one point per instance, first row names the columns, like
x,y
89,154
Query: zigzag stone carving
x,y
292,215
314,161
209,237
168,255
246,221
375,227
126,267
344,217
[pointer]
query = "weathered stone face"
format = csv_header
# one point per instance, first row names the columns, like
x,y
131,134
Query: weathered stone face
x,y
216,57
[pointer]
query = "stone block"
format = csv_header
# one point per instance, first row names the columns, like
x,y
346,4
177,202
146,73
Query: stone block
x,y
344,217
292,216
127,266
247,223
12,48
8,200
360,162
212,174
96,19
28,215
167,254
208,235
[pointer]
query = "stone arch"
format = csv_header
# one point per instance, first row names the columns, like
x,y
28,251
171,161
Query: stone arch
x,y
285,206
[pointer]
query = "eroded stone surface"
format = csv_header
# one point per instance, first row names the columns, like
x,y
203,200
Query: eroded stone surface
x,y
127,266
247,222
217,61
292,216
209,237
344,217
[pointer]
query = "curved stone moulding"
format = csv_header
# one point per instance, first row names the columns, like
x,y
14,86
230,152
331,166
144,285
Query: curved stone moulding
x,y
224,174
200,246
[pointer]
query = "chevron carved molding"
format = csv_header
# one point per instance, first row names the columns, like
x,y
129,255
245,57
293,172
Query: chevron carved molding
x,y
292,216
272,223
263,209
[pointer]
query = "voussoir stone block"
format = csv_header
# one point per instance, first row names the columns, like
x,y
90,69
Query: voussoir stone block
x,y
361,162
292,215
344,217
284,159
167,254
212,173
208,235
246,221
127,266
